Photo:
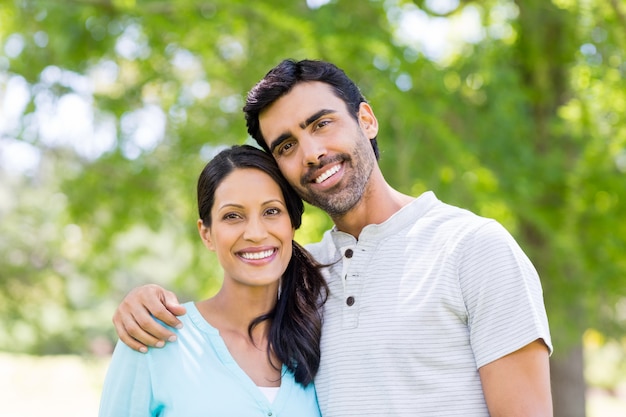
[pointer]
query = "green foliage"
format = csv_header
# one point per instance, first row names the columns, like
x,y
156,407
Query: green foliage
x,y
523,124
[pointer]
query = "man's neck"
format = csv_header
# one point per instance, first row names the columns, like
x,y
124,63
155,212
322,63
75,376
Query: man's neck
x,y
378,204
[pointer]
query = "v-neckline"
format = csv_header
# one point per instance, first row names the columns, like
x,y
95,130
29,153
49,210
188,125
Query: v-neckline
x,y
216,341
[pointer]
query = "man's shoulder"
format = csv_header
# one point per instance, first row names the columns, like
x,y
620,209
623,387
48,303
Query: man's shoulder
x,y
431,209
448,221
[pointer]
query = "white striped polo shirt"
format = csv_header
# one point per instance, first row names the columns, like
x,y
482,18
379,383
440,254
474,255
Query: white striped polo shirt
x,y
417,305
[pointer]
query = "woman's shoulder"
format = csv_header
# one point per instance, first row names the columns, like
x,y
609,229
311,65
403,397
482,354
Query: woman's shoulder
x,y
194,330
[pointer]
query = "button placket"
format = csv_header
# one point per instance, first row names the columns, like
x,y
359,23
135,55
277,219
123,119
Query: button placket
x,y
348,253
351,284
345,266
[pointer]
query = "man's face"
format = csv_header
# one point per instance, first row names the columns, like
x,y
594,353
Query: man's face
x,y
324,153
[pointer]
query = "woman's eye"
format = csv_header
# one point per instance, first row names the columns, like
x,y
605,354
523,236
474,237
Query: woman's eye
x,y
272,211
231,216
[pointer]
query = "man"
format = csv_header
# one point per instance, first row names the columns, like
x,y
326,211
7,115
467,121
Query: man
x,y
433,311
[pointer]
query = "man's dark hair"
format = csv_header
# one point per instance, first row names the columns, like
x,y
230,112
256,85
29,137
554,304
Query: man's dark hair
x,y
284,76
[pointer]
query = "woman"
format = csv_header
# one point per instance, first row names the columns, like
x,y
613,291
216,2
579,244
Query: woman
x,y
253,348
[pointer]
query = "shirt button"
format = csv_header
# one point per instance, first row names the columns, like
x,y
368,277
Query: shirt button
x,y
349,253
269,414
350,301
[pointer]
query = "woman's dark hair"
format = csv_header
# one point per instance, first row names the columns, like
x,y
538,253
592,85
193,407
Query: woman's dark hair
x,y
284,76
296,327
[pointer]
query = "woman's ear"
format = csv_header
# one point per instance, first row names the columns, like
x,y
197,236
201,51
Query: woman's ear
x,y
205,235
367,120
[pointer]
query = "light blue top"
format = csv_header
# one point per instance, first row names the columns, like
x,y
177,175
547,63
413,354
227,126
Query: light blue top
x,y
194,376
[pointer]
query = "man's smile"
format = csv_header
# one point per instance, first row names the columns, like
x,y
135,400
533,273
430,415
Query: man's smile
x,y
326,174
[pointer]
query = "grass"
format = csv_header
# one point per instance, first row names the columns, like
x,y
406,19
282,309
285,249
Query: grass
x,y
52,386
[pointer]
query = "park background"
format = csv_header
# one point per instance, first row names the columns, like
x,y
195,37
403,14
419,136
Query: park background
x,y
109,109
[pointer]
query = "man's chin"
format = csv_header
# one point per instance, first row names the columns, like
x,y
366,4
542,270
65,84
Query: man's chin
x,y
333,207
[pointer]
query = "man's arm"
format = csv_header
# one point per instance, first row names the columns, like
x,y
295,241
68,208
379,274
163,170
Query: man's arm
x,y
518,384
134,318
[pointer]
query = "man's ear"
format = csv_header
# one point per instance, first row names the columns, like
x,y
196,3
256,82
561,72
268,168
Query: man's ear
x,y
205,235
367,120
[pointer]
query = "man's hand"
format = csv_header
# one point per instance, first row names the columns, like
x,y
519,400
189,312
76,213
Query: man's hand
x,y
133,319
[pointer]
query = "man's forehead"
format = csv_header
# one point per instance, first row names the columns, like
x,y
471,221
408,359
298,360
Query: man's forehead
x,y
300,103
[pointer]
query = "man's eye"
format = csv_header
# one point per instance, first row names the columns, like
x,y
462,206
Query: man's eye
x,y
321,124
285,148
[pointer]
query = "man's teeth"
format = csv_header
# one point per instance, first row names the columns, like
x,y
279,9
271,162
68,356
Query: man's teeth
x,y
257,255
327,174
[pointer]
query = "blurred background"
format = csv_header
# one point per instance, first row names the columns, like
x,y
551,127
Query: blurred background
x,y
109,109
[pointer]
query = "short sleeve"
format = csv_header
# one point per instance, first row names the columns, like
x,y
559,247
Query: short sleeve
x,y
502,293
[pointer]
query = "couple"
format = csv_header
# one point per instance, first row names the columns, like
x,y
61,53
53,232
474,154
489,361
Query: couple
x,y
431,310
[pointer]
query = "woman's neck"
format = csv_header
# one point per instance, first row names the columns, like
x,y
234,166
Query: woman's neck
x,y
232,316
233,310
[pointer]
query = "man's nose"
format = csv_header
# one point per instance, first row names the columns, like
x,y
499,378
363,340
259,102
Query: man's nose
x,y
313,150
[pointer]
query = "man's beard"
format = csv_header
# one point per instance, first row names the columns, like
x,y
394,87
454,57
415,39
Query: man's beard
x,y
340,202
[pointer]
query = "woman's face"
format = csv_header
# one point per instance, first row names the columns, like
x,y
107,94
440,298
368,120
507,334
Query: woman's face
x,y
251,232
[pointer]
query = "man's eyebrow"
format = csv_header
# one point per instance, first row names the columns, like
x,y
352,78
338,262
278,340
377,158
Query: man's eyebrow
x,y
283,137
315,116
276,142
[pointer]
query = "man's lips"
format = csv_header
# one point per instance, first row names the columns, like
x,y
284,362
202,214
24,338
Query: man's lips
x,y
323,172
328,173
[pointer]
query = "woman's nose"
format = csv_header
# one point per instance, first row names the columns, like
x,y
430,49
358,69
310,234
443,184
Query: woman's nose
x,y
255,230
